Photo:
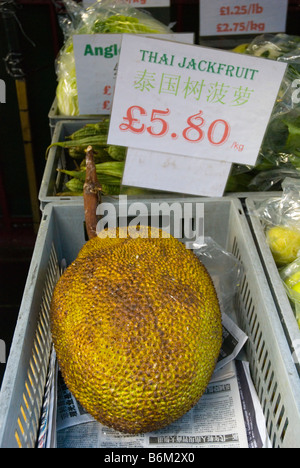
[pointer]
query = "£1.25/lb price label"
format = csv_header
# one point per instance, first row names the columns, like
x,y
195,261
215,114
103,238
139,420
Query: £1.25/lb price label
x,y
228,17
190,100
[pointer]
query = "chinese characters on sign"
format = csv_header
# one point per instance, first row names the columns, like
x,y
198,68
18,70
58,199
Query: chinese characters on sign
x,y
213,92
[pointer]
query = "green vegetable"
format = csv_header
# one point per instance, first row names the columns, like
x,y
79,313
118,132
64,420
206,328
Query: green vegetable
x,y
109,159
293,139
114,168
94,134
117,152
122,24
280,149
100,153
75,185
109,173
103,19
90,129
110,189
79,175
99,140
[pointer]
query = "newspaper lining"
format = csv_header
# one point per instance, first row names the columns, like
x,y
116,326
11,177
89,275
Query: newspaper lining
x,y
228,414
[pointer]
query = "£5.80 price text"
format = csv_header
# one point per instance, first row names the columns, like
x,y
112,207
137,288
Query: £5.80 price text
x,y
216,132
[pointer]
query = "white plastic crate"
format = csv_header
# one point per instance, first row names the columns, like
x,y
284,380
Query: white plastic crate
x,y
284,307
57,158
61,235
55,117
53,181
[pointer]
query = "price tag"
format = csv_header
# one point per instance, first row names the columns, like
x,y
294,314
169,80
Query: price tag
x,y
96,62
173,173
228,17
190,100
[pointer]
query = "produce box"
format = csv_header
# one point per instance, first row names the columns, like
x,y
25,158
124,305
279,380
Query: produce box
x,y
54,117
53,181
62,234
285,311
57,158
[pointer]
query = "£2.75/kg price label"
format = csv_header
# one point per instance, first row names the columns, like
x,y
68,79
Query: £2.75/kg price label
x,y
190,100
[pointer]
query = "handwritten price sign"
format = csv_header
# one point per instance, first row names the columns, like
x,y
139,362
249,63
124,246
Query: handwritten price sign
x,y
194,101
221,17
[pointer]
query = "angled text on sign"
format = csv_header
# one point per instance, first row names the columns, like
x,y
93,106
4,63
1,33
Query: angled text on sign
x,y
100,53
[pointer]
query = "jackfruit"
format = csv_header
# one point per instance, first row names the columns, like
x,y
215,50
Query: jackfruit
x,y
137,329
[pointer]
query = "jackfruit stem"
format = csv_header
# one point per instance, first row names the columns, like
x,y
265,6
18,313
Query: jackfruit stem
x,y
91,194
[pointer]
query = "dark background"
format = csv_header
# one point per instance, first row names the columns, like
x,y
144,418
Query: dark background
x,y
40,39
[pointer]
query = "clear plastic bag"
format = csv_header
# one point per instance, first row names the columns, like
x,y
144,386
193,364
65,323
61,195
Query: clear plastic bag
x,y
284,210
103,17
290,276
224,269
275,46
279,155
280,218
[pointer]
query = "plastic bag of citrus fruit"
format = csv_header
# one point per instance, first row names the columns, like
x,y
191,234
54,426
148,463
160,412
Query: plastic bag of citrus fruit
x,y
290,276
280,217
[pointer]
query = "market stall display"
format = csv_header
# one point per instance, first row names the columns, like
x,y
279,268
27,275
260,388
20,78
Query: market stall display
x,y
61,237
64,168
279,153
280,253
248,247
278,157
109,159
